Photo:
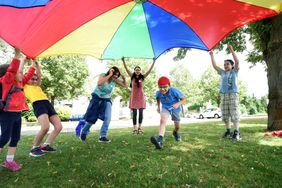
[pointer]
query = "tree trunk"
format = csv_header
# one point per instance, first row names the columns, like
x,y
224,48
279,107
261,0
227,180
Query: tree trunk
x,y
273,57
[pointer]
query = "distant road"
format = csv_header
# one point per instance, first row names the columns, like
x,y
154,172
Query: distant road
x,y
33,128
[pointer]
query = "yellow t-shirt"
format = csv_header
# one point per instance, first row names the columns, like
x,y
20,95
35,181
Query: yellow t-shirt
x,y
34,93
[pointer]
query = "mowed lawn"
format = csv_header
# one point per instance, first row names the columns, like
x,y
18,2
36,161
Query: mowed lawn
x,y
202,159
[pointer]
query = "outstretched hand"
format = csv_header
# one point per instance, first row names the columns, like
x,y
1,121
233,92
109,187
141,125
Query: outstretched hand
x,y
230,47
211,52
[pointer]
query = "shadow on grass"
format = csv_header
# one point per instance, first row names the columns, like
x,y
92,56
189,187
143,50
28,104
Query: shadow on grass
x,y
202,159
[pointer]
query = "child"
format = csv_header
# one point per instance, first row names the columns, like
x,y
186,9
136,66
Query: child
x,y
171,100
100,105
229,93
137,97
44,112
10,117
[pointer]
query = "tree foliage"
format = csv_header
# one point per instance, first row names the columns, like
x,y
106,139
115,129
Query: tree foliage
x,y
63,77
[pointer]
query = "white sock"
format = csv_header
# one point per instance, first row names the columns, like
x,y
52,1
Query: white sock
x,y
35,147
45,144
10,158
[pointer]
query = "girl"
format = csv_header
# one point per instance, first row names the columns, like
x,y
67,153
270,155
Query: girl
x,y
100,105
229,93
137,97
10,117
44,112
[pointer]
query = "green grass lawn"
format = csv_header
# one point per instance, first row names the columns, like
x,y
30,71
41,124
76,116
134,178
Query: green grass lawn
x,y
202,159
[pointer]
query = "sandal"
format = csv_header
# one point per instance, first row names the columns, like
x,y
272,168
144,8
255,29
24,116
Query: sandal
x,y
140,131
135,131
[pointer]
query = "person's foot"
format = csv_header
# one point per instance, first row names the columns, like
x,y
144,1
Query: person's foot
x,y
83,136
140,131
36,152
135,131
176,136
227,134
47,148
236,136
104,139
157,142
13,166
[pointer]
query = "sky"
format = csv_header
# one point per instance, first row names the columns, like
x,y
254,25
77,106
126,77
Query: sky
x,y
197,62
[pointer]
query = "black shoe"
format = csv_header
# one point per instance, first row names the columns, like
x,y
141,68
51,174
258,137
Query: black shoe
x,y
176,136
157,142
236,136
36,152
47,148
104,139
82,136
227,135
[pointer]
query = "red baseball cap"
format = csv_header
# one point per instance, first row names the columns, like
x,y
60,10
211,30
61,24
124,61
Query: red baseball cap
x,y
163,81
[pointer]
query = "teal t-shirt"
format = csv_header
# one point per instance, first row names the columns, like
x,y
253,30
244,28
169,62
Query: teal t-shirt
x,y
105,90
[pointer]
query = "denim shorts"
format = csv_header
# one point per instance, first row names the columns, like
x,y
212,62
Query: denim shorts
x,y
174,115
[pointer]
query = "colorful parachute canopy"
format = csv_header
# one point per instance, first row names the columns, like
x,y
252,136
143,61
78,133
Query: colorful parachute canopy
x,y
111,29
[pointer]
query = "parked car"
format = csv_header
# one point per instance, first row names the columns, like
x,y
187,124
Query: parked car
x,y
76,117
210,113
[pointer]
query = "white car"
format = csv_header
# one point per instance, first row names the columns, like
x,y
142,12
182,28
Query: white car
x,y
210,113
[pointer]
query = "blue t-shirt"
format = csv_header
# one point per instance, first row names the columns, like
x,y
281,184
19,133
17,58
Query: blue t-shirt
x,y
228,82
105,90
173,96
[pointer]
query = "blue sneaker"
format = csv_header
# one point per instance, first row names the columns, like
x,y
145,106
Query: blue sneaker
x,y
176,136
36,152
82,136
104,139
236,136
157,142
227,135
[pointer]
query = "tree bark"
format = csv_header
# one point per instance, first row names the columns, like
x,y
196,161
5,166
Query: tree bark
x,y
273,57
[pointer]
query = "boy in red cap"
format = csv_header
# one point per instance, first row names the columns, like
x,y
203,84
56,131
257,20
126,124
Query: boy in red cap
x,y
171,100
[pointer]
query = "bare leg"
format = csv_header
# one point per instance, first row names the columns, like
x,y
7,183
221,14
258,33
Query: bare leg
x,y
163,121
45,124
176,126
55,120
11,150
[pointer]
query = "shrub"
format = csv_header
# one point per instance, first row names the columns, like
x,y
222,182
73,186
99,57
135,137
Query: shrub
x,y
64,113
29,115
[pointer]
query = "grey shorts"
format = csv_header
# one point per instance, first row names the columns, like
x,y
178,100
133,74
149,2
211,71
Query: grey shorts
x,y
174,115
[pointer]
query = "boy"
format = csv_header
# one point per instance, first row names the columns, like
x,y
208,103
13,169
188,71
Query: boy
x,y
171,100
229,93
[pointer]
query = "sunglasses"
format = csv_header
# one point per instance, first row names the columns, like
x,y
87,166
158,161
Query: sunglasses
x,y
163,87
34,79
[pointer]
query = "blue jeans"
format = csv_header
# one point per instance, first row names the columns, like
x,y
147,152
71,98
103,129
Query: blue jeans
x,y
106,122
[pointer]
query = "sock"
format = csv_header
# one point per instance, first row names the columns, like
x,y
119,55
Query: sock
x,y
228,130
161,138
10,158
35,147
45,144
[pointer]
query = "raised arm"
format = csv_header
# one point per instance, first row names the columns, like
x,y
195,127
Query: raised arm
x,y
236,60
213,62
103,79
126,68
38,71
122,82
148,72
